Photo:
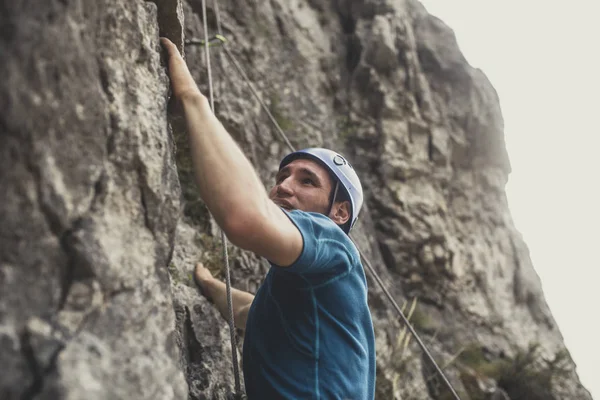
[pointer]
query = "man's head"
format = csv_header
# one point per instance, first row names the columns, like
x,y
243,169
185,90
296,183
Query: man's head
x,y
319,180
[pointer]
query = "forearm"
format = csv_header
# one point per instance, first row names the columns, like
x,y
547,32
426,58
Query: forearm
x,y
226,179
217,292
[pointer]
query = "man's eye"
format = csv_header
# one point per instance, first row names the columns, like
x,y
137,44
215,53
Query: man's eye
x,y
308,181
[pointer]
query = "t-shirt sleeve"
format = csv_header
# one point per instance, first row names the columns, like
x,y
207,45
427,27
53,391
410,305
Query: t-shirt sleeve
x,y
326,247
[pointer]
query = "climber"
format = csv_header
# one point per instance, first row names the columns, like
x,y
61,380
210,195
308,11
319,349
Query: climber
x,y
308,329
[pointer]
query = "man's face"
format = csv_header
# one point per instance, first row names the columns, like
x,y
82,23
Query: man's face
x,y
302,185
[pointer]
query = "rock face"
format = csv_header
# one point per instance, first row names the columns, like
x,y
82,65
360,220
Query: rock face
x,y
101,222
90,204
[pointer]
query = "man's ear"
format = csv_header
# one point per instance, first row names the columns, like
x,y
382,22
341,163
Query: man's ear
x,y
340,213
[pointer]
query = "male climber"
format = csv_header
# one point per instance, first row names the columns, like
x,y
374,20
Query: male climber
x,y
308,329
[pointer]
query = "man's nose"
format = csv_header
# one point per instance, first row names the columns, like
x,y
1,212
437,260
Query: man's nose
x,y
285,187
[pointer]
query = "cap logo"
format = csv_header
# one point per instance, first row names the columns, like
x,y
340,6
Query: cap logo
x,y
339,160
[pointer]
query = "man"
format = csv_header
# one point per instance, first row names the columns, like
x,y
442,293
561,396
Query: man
x,y
308,330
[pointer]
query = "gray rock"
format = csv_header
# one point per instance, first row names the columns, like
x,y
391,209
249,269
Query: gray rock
x,y
90,204
102,225
499,395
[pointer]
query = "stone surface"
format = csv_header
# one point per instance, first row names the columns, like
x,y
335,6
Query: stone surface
x,y
386,83
102,225
90,204
170,21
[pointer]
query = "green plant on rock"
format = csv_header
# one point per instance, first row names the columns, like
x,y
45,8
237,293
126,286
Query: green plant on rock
x,y
403,339
175,277
213,253
178,279
422,321
473,357
530,377
284,122
418,319
527,376
346,128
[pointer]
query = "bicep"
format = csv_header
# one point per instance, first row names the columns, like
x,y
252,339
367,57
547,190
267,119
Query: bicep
x,y
271,235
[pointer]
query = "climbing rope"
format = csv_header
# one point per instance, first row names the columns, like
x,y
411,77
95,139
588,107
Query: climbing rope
x,y
220,38
231,320
406,322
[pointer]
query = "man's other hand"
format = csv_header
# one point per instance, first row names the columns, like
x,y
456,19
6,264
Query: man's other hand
x,y
203,277
181,79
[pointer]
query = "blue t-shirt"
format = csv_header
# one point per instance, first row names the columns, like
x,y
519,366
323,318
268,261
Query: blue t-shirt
x,y
309,333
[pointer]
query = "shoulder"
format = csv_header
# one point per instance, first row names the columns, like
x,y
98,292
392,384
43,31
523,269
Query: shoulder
x,y
324,242
319,225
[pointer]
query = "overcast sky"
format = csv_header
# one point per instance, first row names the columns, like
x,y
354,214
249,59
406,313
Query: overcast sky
x,y
543,58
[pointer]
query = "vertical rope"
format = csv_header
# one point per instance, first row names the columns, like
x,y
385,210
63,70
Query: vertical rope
x,y
257,96
218,17
231,321
406,323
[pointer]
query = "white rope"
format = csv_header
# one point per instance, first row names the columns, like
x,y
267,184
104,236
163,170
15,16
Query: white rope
x,y
231,321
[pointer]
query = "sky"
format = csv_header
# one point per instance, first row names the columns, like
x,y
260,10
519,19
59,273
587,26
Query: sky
x,y
543,59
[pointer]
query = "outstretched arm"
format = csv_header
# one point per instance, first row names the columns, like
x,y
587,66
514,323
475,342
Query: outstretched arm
x,y
226,179
215,290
